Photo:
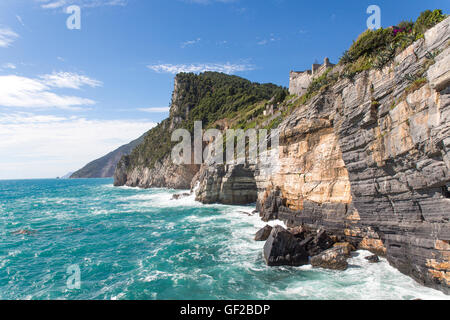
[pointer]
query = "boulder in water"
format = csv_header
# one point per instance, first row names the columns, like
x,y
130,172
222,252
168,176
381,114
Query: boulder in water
x,y
180,195
334,259
283,249
373,259
263,234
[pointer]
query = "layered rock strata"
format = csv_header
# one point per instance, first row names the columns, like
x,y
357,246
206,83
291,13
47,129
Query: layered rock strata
x,y
368,160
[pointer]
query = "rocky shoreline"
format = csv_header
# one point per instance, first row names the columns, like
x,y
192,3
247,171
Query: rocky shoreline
x,y
365,163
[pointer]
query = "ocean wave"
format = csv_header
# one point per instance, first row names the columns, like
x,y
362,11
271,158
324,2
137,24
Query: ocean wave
x,y
142,244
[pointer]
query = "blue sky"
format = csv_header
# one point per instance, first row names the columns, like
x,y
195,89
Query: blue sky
x,y
70,96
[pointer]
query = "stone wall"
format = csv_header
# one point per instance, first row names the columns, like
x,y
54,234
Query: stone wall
x,y
299,81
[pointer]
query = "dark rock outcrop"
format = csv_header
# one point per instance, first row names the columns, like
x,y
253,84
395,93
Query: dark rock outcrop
x,y
282,248
263,234
373,259
179,196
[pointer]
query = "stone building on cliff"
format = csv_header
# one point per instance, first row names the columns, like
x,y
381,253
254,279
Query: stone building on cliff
x,y
299,81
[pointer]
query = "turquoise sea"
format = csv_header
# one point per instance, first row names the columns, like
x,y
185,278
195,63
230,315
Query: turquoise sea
x,y
139,244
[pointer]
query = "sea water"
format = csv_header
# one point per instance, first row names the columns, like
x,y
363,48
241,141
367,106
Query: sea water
x,y
129,243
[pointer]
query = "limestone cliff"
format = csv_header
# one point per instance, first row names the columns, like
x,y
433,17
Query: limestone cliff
x,y
368,159
363,154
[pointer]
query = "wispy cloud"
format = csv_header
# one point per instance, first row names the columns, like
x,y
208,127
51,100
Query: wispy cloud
x,y
69,80
55,4
7,37
227,68
18,91
155,110
45,145
8,65
272,38
19,18
190,43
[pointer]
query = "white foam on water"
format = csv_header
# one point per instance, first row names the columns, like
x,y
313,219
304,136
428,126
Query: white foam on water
x,y
361,281
163,198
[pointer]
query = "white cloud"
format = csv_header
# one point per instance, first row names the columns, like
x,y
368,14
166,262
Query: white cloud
x,y
7,37
69,80
155,110
201,67
56,4
190,43
17,91
39,146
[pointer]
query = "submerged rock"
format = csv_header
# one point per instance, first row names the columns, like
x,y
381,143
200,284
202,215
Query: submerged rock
x,y
263,234
180,195
373,259
282,248
334,259
24,232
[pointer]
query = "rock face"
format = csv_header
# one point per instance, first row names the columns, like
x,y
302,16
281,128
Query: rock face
x,y
368,161
164,174
334,259
346,247
263,234
282,248
227,184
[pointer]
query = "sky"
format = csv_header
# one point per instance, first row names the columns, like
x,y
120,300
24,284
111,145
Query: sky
x,y
69,96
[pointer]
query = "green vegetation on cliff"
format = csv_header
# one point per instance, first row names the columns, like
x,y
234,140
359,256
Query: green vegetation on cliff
x,y
216,99
375,48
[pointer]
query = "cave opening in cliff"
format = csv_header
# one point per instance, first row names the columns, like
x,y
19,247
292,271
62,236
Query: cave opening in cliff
x,y
446,191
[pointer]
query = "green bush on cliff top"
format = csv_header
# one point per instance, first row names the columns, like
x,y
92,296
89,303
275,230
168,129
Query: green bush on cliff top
x,y
375,48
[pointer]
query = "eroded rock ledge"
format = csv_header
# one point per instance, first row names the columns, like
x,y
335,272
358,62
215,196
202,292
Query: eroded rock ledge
x,y
369,162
